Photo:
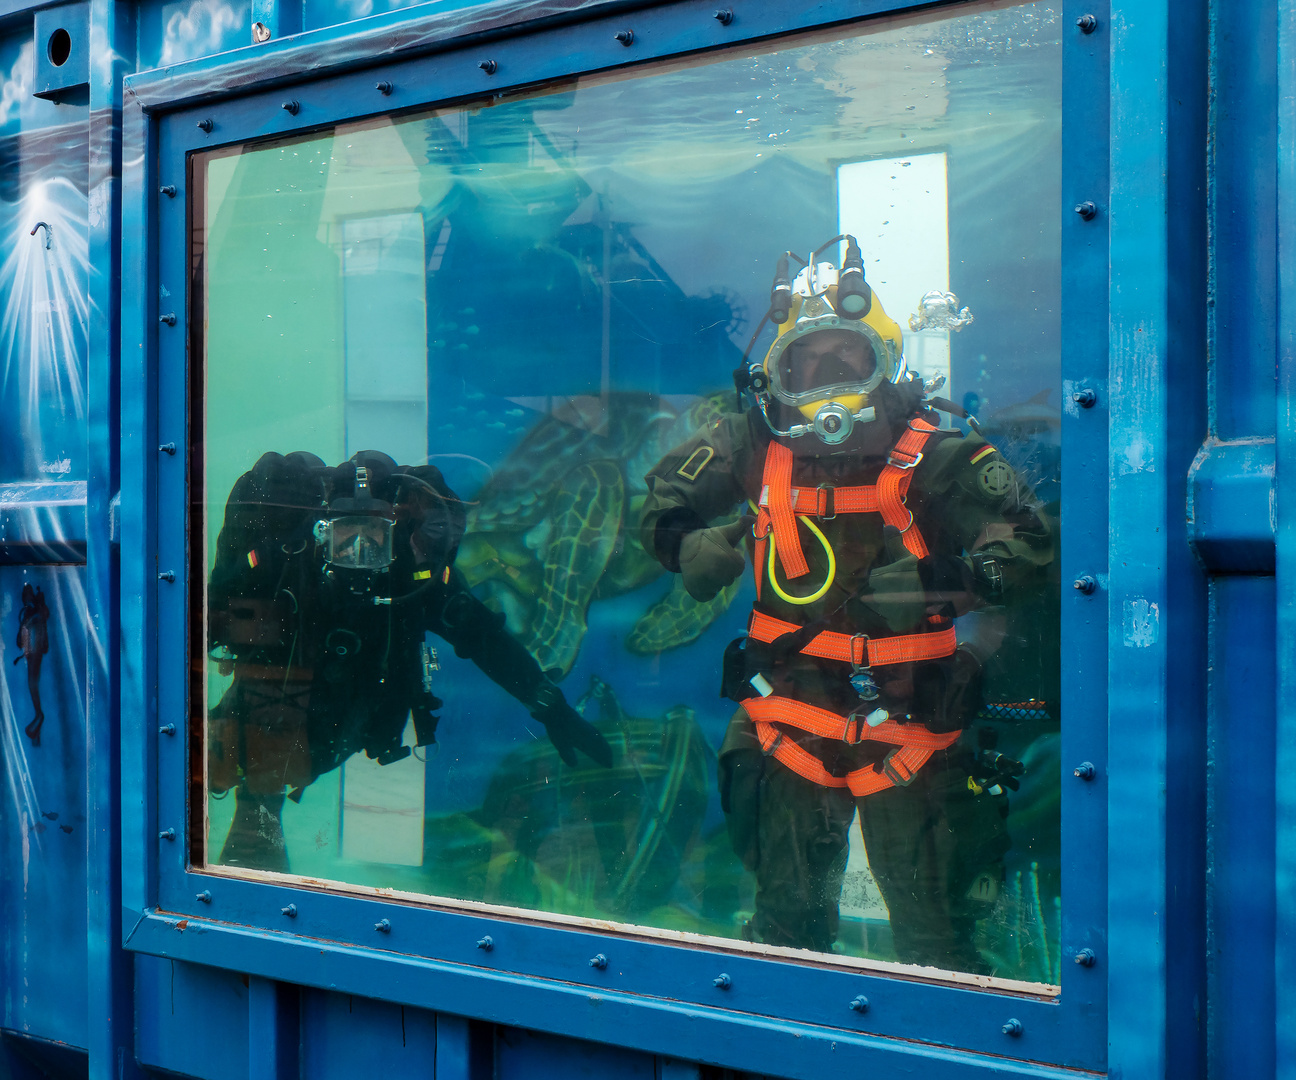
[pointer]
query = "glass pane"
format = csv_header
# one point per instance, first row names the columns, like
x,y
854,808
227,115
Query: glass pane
x,y
485,521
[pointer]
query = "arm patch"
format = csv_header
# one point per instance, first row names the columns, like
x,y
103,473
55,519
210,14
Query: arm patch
x,y
996,479
697,461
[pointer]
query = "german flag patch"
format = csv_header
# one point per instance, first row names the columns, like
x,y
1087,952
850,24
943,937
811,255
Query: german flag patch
x,y
984,452
252,559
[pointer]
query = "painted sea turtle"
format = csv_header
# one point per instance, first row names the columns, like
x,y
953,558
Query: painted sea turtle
x,y
556,526
599,841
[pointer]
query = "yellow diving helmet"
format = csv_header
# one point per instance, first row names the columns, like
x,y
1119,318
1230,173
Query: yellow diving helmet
x,y
835,345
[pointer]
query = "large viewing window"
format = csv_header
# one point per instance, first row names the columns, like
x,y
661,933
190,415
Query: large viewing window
x,y
479,516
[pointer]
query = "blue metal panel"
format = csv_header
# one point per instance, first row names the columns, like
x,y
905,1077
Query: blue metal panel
x,y
44,828
44,825
1242,214
1085,247
193,1020
1156,601
1285,573
345,1036
110,973
1241,793
527,1055
736,1036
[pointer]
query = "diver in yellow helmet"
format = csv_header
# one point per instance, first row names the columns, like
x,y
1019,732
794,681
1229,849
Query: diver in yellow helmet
x,y
875,528
835,358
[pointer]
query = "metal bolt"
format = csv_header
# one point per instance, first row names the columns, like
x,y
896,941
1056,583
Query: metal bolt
x,y
290,911
1087,23
206,125
167,834
860,1004
204,897
383,926
167,729
167,575
1013,1027
724,16
1085,398
1085,583
1085,770
292,108
384,88
626,37
167,448
599,961
1086,210
169,318
486,943
489,66
1086,958
169,190
723,981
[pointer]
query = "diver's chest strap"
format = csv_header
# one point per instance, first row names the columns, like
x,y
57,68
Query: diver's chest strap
x,y
861,650
780,502
912,745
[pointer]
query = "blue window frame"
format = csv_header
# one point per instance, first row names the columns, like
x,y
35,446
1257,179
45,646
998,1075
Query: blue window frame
x,y
770,1015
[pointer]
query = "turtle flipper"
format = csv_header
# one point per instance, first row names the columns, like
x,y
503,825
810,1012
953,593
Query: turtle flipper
x,y
587,513
676,619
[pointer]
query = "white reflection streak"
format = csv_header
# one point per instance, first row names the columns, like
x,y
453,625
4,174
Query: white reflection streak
x,y
21,787
44,325
82,616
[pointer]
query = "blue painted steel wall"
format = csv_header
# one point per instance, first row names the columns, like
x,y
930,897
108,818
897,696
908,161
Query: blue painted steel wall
x,y
1199,330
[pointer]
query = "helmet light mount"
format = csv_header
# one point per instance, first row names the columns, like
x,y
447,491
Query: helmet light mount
x,y
854,297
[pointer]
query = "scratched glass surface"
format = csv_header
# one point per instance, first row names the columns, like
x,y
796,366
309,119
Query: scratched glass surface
x,y
457,368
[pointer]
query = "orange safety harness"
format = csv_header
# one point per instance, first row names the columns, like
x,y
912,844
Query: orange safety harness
x,y
780,503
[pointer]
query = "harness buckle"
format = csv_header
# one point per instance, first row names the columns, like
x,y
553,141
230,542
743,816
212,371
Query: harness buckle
x,y
862,666
859,722
904,466
829,502
893,774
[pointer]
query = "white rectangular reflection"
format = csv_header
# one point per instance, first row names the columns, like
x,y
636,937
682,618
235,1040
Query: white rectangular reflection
x,y
384,295
382,808
898,210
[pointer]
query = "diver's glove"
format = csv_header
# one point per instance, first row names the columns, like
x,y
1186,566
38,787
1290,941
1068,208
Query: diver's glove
x,y
568,730
710,559
895,589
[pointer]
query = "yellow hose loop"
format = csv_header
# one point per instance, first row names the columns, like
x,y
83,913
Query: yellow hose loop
x,y
832,568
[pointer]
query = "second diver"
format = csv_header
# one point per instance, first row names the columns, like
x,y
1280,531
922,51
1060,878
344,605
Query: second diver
x,y
324,584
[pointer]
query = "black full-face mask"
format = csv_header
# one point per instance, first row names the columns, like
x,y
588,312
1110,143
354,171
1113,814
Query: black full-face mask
x,y
358,532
